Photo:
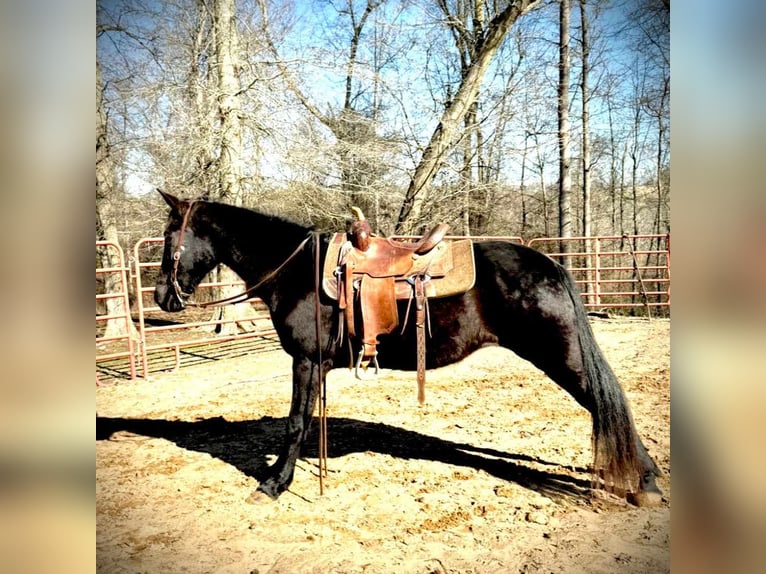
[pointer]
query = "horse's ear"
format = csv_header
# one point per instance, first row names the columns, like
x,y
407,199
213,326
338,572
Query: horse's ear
x,y
171,200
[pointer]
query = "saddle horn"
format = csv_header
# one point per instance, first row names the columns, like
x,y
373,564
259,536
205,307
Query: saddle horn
x,y
360,232
358,213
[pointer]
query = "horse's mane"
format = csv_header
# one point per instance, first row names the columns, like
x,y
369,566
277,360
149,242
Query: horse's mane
x,y
268,215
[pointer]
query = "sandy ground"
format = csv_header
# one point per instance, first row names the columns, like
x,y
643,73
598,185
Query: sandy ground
x,y
488,476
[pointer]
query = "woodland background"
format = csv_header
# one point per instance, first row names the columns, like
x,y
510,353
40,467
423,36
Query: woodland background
x,y
541,118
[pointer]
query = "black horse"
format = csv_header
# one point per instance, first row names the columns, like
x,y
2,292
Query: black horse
x,y
521,300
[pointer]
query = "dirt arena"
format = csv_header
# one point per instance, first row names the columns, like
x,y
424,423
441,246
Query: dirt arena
x,y
489,476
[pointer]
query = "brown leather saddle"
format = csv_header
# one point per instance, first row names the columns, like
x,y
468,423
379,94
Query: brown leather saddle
x,y
368,274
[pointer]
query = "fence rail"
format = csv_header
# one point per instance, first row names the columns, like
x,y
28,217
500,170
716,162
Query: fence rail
x,y
639,263
612,272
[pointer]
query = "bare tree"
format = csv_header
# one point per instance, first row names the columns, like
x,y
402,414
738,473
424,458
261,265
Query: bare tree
x,y
647,29
481,139
358,146
106,217
230,168
565,179
107,204
229,106
587,230
203,173
652,23
584,88
410,215
541,161
613,157
466,23
431,118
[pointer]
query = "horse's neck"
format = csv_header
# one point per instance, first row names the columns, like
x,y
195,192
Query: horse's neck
x,y
254,244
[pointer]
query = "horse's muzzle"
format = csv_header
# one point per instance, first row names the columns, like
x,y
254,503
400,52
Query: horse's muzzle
x,y
165,296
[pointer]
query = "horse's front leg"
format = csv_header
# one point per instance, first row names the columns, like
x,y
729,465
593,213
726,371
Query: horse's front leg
x,y
306,380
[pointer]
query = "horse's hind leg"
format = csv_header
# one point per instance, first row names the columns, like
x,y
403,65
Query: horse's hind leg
x,y
613,424
306,379
554,334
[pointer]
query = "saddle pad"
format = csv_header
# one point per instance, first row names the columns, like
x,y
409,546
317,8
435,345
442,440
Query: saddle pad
x,y
452,272
329,280
459,279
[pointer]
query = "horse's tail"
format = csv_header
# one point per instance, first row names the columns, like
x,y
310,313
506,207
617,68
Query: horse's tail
x,y
615,456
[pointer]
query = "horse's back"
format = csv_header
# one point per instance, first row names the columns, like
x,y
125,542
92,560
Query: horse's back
x,y
515,288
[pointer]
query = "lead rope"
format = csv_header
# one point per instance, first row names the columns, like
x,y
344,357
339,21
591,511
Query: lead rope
x,y
322,458
421,308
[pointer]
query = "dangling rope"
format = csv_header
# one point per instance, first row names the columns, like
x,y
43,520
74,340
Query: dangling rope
x,y
322,457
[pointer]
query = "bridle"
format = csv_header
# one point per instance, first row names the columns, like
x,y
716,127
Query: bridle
x,y
183,297
179,293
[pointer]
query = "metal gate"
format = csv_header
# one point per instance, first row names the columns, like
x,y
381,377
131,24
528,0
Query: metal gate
x,y
613,271
113,306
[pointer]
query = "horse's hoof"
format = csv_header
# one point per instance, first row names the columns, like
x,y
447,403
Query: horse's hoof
x,y
649,495
645,498
270,488
259,498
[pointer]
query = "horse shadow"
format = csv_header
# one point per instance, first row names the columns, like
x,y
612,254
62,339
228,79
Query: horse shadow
x,y
247,445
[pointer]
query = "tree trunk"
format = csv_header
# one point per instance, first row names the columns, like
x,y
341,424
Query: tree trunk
x,y
466,179
586,184
565,181
478,191
203,177
470,179
621,195
227,49
544,193
106,218
660,157
612,168
634,155
482,196
522,186
586,180
230,149
634,190
410,217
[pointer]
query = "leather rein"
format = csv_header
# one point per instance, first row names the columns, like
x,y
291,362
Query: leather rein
x,y
183,297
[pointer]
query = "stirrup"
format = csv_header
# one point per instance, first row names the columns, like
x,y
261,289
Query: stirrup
x,y
374,361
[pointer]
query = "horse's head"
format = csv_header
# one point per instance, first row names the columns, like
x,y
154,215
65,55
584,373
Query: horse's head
x,y
188,254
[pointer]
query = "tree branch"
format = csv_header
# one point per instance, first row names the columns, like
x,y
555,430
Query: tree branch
x,y
291,83
444,135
